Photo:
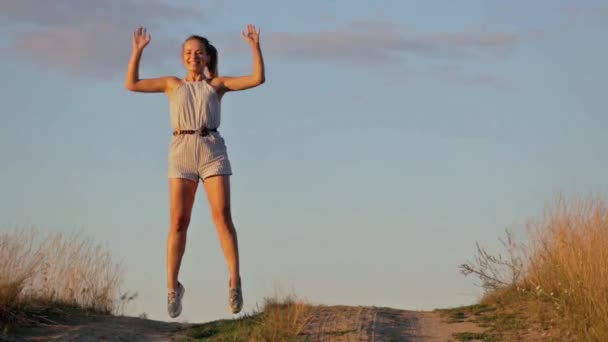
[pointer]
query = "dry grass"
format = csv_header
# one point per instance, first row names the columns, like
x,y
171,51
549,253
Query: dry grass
x,y
277,320
562,273
284,319
41,273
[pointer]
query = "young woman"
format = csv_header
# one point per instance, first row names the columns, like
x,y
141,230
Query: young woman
x,y
197,150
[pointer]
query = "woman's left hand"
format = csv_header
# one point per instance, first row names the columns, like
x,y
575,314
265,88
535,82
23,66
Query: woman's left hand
x,y
251,36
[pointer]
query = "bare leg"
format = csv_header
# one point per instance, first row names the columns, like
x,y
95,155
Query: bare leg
x,y
181,198
218,194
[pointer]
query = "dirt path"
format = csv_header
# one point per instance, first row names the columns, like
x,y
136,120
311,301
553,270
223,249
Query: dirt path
x,y
341,323
333,323
99,328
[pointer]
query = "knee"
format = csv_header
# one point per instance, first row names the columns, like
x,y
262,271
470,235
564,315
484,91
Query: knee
x,y
222,217
180,224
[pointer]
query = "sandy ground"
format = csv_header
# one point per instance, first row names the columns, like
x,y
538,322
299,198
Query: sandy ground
x,y
332,323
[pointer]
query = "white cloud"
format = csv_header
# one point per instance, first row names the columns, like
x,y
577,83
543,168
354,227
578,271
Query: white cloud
x,y
90,39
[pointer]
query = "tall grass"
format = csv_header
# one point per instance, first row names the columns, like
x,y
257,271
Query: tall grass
x,y
563,268
44,272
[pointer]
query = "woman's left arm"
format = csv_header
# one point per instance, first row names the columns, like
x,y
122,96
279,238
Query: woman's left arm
x,y
227,83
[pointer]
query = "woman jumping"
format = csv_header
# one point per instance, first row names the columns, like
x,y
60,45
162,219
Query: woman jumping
x,y
197,150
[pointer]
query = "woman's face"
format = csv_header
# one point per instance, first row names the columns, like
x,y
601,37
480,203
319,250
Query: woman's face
x,y
194,56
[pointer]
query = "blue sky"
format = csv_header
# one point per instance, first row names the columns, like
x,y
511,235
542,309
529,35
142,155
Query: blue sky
x,y
389,138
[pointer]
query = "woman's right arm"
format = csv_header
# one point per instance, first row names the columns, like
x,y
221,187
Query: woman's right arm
x,y
132,80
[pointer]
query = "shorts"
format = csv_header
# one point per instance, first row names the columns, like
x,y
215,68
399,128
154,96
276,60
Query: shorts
x,y
195,157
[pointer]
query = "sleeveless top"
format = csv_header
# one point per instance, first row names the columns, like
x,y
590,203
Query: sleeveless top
x,y
195,105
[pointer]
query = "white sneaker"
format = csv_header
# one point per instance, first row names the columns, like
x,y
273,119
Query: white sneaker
x,y
236,299
174,301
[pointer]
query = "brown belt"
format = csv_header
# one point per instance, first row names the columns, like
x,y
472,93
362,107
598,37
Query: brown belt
x,y
203,131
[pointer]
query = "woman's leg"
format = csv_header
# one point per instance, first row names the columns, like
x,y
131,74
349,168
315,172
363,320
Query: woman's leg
x,y
181,199
218,194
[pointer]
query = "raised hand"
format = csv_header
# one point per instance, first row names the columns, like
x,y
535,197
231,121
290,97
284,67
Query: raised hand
x,y
251,36
140,38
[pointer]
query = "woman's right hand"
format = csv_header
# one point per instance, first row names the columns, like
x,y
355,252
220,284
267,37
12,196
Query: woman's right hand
x,y
140,39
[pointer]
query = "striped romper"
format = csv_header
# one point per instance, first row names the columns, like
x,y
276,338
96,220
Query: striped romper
x,y
194,106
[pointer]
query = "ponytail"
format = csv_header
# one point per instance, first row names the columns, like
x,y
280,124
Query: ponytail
x,y
212,64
